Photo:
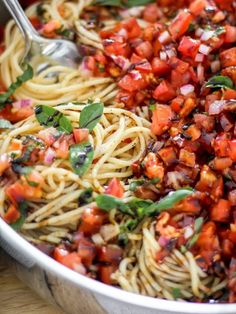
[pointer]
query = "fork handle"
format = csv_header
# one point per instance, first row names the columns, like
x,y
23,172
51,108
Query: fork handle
x,y
20,18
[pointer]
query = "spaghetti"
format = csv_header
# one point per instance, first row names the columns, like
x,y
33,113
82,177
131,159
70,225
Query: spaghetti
x,y
139,193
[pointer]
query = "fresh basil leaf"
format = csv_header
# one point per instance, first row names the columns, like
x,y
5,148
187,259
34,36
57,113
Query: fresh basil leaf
x,y
176,293
23,208
91,115
135,184
113,3
50,117
220,81
23,170
81,157
27,75
123,3
5,124
137,3
168,201
192,241
86,197
32,183
108,202
139,206
198,224
220,30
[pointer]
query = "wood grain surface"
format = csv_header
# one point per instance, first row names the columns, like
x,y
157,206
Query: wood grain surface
x,y
16,298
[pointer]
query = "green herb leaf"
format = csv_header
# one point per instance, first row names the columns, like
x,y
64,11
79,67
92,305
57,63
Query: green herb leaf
x,y
81,157
5,124
86,197
123,3
176,293
20,169
139,206
27,75
198,224
32,183
108,202
168,201
50,117
91,115
220,81
192,241
137,3
23,208
220,30
135,184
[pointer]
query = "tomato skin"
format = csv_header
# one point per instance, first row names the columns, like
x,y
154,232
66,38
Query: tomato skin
x,y
80,135
59,253
110,254
126,97
132,27
14,115
151,13
105,273
91,221
197,6
228,57
221,211
164,92
15,193
230,35
86,251
232,150
188,46
72,261
132,81
161,119
144,50
160,67
115,188
12,214
180,24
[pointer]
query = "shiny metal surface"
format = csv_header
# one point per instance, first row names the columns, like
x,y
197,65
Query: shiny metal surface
x,y
41,52
75,293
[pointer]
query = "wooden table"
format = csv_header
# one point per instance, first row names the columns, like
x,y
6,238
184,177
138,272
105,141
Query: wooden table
x,y
16,298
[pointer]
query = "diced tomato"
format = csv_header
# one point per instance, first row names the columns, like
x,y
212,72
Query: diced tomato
x,y
113,46
91,221
115,188
59,253
232,150
132,27
221,163
63,150
15,115
221,211
224,4
160,67
51,26
230,35
86,251
105,273
189,105
72,261
151,13
4,163
180,24
144,50
168,155
15,193
188,46
132,81
144,66
228,57
177,103
204,121
126,97
164,92
153,167
161,119
197,6
35,21
178,65
187,158
12,214
110,254
80,135
35,177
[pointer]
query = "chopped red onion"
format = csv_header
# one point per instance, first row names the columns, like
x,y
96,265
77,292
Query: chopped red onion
x,y
186,89
204,49
216,107
123,32
215,66
171,53
163,241
188,232
136,75
84,70
199,57
164,37
122,62
50,154
163,56
207,35
23,103
199,32
132,12
200,73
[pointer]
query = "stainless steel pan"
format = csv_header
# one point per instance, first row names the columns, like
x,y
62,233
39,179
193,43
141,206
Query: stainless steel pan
x,y
75,293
